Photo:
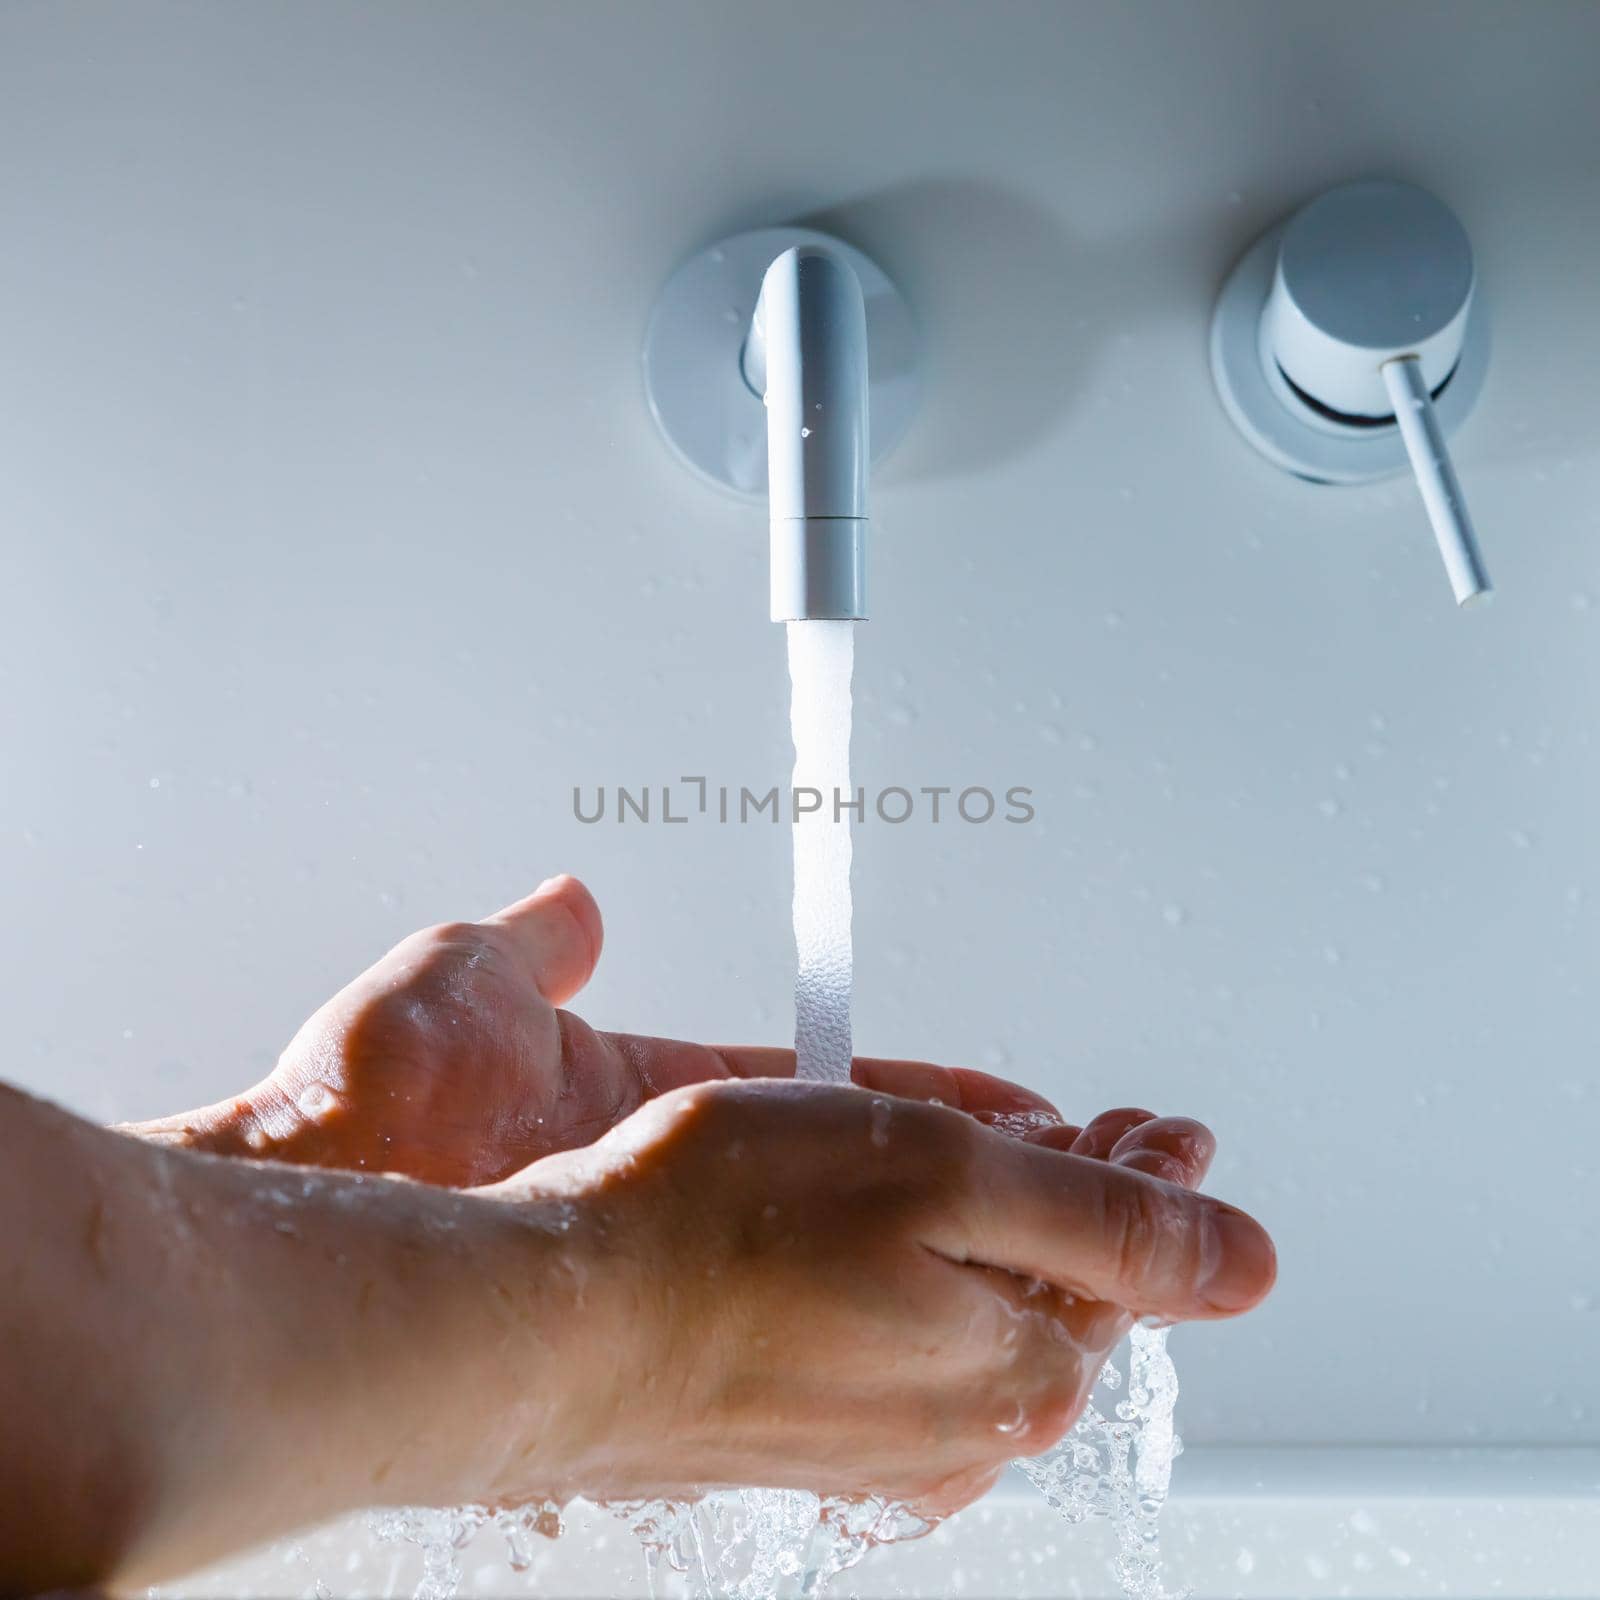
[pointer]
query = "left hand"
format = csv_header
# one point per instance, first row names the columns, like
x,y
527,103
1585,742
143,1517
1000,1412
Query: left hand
x,y
449,1061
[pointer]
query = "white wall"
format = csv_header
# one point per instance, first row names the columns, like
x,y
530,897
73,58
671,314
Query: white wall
x,y
339,546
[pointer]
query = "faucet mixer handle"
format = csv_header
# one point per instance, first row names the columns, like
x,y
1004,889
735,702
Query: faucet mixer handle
x,y
1436,478
1350,340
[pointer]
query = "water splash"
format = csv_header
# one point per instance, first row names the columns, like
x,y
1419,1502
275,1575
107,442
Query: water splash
x,y
760,1544
441,1536
1116,1462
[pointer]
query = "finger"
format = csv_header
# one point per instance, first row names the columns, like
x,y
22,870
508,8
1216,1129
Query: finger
x,y
1177,1149
1100,1135
979,1094
556,931
659,1065
1060,1137
665,1064
1107,1232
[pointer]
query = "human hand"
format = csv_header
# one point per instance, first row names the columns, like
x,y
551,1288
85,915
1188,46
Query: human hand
x,y
814,1286
449,1061
793,1284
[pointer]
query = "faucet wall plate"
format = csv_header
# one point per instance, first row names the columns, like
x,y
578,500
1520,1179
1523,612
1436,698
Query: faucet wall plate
x,y
694,356
1330,423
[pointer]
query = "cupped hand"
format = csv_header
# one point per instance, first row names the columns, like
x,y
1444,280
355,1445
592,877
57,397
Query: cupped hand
x,y
450,1061
813,1286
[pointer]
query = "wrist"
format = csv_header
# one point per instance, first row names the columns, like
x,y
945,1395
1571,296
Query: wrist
x,y
387,1343
591,1313
413,1344
496,1382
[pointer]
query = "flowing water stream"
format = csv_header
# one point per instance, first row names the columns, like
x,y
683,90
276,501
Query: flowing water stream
x,y
821,663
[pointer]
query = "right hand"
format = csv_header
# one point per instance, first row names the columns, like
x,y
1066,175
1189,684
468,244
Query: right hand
x,y
814,1286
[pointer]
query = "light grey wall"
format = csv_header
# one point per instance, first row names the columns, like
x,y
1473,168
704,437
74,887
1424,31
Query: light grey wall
x,y
339,547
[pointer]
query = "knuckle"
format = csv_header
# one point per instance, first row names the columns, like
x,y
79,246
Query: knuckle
x,y
392,1028
450,962
948,1143
943,1173
446,937
699,1110
1135,1229
1161,1164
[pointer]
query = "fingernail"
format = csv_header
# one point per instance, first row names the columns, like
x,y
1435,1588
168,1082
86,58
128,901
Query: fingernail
x,y
1237,1261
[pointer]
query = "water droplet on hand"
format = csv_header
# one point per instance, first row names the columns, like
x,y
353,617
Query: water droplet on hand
x,y
315,1100
878,1118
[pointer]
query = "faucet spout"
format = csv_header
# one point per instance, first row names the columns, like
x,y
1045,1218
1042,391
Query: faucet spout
x,y
806,353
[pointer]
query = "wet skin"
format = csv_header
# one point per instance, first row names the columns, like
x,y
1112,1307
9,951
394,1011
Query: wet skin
x,y
661,1269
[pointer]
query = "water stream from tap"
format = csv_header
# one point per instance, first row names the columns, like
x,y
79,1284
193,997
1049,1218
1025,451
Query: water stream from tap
x,y
821,663
1116,1462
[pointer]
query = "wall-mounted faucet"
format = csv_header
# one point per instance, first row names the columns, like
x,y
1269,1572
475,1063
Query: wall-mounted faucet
x,y
806,354
808,330
1350,340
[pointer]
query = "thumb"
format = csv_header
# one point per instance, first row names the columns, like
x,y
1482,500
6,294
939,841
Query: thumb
x,y
556,934
1109,1232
